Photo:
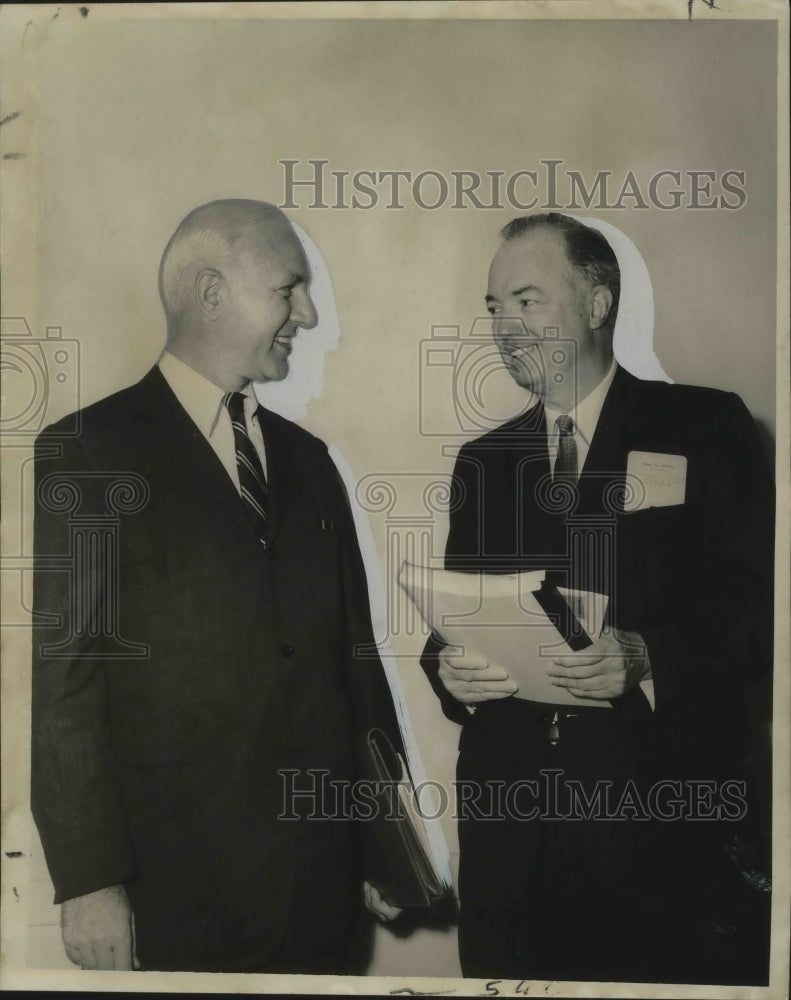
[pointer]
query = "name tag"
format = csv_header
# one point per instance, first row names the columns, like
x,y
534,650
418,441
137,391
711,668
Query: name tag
x,y
655,480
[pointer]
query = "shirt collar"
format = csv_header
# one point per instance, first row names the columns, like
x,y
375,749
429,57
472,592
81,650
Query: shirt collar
x,y
199,396
586,413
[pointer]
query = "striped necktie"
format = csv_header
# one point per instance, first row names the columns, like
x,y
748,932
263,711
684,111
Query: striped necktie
x,y
252,482
566,460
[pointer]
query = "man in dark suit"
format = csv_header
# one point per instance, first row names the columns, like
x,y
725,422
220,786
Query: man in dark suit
x,y
199,598
657,496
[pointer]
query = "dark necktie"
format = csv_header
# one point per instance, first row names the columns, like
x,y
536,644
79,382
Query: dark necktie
x,y
566,461
252,482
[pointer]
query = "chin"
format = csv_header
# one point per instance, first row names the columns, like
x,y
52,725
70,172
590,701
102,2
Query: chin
x,y
274,374
524,381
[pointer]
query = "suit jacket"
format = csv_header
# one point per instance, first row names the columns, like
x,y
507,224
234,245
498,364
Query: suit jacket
x,y
178,669
695,580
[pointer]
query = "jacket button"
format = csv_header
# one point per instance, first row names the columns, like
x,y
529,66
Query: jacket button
x,y
287,650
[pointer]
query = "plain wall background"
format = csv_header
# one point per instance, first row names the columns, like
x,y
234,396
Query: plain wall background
x,y
138,122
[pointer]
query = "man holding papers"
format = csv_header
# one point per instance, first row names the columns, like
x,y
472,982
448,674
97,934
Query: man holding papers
x,y
597,840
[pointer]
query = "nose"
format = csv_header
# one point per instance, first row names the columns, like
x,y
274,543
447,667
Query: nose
x,y
509,328
303,311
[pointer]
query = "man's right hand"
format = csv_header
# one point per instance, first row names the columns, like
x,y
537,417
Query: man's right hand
x,y
99,930
472,679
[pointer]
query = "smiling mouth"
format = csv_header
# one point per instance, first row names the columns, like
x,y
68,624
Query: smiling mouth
x,y
516,353
284,342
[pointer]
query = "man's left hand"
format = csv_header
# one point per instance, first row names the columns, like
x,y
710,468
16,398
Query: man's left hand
x,y
378,906
613,665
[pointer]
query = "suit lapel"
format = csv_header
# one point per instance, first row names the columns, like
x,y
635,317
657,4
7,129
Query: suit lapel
x,y
522,486
175,435
605,465
281,472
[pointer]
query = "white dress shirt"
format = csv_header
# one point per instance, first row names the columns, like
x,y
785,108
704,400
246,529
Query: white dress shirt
x,y
585,416
202,400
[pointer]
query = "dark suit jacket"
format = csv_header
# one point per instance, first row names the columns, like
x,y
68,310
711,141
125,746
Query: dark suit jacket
x,y
161,771
694,579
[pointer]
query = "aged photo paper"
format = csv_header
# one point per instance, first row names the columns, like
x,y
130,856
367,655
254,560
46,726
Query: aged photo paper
x,y
398,139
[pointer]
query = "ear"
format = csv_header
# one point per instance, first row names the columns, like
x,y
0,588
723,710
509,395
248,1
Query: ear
x,y
207,291
600,306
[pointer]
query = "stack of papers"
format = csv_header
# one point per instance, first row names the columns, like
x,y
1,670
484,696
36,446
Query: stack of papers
x,y
496,618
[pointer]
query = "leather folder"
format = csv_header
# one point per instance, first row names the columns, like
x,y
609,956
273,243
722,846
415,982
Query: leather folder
x,y
562,617
396,861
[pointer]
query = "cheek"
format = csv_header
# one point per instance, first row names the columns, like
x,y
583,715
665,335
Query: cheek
x,y
268,318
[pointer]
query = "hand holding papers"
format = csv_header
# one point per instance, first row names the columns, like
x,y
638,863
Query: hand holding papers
x,y
512,621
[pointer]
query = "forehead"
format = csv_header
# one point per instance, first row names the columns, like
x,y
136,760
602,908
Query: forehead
x,y
274,249
537,258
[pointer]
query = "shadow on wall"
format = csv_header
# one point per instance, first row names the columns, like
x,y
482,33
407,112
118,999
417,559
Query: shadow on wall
x,y
305,382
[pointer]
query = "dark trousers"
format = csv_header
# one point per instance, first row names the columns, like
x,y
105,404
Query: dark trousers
x,y
566,895
614,897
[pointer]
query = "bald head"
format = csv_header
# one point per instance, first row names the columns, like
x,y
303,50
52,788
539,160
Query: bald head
x,y
215,236
234,283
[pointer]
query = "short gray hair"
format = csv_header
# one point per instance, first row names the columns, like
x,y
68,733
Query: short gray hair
x,y
208,237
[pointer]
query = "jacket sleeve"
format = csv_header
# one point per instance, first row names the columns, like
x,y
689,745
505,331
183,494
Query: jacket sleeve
x,y
369,691
463,542
75,794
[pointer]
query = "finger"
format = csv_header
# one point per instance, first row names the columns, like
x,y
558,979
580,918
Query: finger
x,y
381,907
375,897
474,676
600,694
479,691
474,697
488,673
74,954
582,684
497,694
492,673
498,684
89,958
135,959
103,957
122,955
466,666
578,661
387,912
584,670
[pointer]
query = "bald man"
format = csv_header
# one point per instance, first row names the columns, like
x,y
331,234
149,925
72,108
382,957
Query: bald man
x,y
199,599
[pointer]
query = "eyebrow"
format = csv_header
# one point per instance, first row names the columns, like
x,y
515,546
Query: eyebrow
x,y
516,291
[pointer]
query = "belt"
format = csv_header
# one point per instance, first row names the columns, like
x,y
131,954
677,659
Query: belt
x,y
555,717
